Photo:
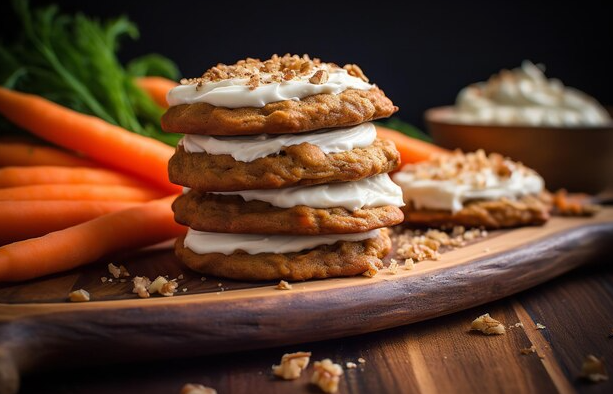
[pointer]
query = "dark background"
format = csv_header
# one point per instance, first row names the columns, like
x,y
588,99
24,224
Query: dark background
x,y
421,54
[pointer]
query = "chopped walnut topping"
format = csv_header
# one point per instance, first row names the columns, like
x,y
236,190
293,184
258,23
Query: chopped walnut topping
x,y
350,365
276,69
292,365
283,285
393,267
409,264
141,284
326,375
355,71
320,77
191,388
371,271
539,326
528,350
593,369
487,325
79,296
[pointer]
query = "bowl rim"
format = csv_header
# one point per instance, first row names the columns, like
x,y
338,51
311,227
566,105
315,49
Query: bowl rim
x,y
432,115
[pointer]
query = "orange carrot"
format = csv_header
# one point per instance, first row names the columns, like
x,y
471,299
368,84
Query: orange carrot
x,y
130,229
411,149
78,192
156,88
46,175
25,154
99,140
27,219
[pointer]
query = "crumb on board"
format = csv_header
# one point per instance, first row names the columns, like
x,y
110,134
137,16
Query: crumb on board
x,y
539,326
326,375
350,365
103,279
141,284
593,369
191,388
361,360
371,271
516,325
292,365
487,325
202,278
283,285
79,296
409,264
528,350
117,272
180,277
420,245
393,267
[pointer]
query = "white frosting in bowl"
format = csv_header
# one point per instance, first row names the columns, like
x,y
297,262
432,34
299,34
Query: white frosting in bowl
x,y
201,242
524,96
375,191
250,148
427,186
234,92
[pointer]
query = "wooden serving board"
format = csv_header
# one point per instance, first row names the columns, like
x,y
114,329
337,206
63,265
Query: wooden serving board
x,y
39,328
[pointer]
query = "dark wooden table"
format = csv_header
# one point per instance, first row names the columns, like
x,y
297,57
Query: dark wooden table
x,y
436,356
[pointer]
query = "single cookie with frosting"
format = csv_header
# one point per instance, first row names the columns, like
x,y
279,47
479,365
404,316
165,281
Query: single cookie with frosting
x,y
288,94
472,189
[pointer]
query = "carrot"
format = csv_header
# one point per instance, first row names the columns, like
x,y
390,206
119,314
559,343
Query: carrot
x,y
106,143
27,219
78,192
130,229
45,175
411,149
25,154
156,88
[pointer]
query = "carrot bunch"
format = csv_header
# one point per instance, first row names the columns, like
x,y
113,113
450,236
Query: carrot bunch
x,y
97,189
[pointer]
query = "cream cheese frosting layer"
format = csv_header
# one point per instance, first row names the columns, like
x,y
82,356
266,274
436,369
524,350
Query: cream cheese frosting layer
x,y
435,191
235,93
201,242
524,96
250,148
375,191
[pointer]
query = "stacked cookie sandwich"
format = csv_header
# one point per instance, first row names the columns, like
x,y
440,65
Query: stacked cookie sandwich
x,y
283,176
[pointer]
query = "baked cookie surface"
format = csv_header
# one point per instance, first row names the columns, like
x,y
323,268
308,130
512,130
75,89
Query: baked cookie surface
x,y
494,214
320,111
296,165
232,214
340,259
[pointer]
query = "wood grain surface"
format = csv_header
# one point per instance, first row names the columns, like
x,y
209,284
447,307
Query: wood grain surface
x,y
39,329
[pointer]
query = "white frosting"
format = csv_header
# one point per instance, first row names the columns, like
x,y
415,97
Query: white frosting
x,y
524,96
234,93
450,195
375,191
250,148
201,242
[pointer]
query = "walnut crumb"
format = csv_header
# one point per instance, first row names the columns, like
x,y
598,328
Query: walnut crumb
x,y
528,350
487,325
371,271
283,285
157,284
393,267
292,365
326,375
104,279
320,77
539,326
169,288
180,277
79,296
191,388
409,264
593,369
114,270
361,360
351,365
202,278
184,289
141,284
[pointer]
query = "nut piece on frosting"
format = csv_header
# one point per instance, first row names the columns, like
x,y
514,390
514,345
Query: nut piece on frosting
x,y
487,325
292,365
